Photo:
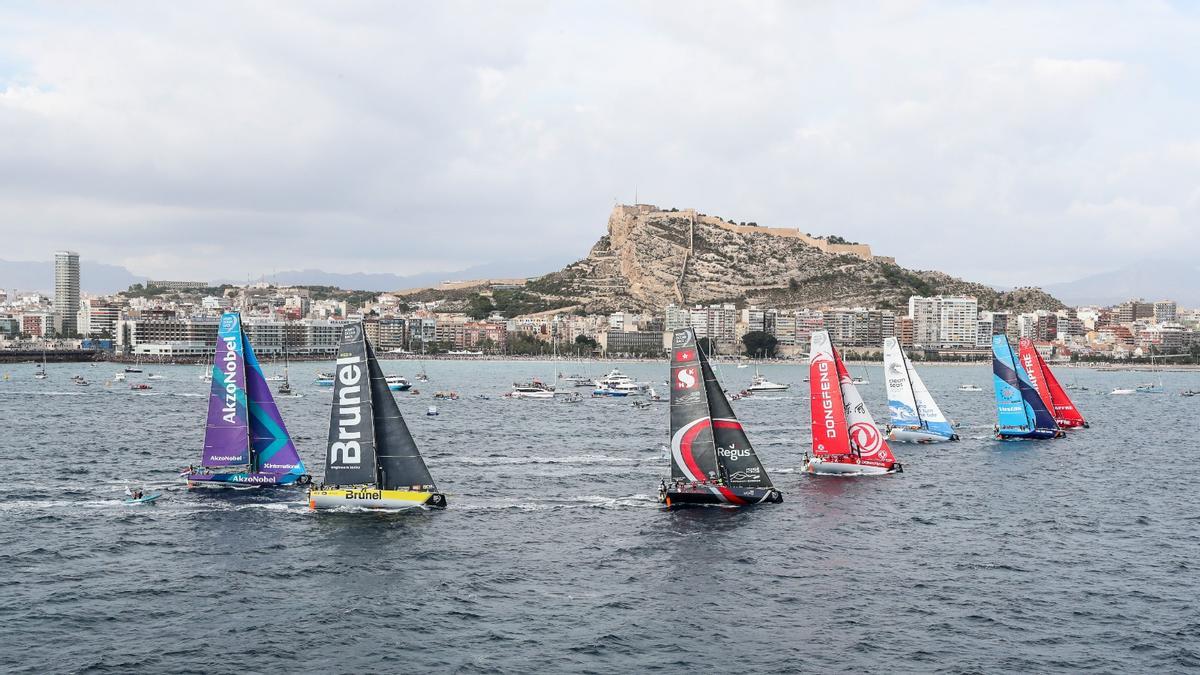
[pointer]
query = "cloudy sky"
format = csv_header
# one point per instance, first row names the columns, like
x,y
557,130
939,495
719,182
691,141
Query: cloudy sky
x,y
1006,142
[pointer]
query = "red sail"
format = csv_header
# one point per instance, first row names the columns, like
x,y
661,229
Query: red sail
x,y
829,433
1052,393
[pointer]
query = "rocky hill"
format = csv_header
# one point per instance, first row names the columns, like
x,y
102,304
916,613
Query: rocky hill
x,y
651,257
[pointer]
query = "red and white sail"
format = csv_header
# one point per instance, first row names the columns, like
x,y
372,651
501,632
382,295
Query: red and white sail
x,y
830,434
851,431
1047,386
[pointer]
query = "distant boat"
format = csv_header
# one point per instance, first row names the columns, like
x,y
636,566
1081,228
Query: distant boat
x,y
422,376
915,417
1066,415
324,380
712,461
139,386
120,377
136,367
761,383
1121,391
864,379
1189,393
371,460
244,431
285,389
845,439
615,380
535,388
41,371
77,380
1150,388
1021,414
153,376
397,383
432,411
969,387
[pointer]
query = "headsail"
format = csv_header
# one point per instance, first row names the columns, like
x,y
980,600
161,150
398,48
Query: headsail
x,y
1053,395
226,435
399,461
829,429
865,438
1019,407
737,462
350,452
909,401
693,449
272,448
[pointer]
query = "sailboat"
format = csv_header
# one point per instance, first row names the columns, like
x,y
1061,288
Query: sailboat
x,y
712,461
845,440
285,389
916,418
1020,412
371,460
244,429
41,371
1066,415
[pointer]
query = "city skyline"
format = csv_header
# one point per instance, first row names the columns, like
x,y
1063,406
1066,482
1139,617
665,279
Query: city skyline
x,y
155,138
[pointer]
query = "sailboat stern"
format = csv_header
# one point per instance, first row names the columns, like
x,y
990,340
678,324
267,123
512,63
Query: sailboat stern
x,y
373,498
699,494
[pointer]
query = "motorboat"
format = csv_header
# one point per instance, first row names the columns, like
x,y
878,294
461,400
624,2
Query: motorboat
x,y
119,377
535,388
1150,388
969,387
616,380
324,380
397,383
761,383
139,386
1121,391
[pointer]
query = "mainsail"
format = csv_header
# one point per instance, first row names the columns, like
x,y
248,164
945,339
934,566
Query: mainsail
x,y
707,440
909,401
851,431
1047,386
829,429
1019,408
350,453
226,435
369,443
272,449
400,464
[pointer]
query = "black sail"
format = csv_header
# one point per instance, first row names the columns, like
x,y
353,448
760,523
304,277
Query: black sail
x,y
739,464
400,464
693,452
350,453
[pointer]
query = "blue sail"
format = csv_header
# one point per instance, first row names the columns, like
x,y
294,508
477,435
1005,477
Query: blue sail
x,y
1020,411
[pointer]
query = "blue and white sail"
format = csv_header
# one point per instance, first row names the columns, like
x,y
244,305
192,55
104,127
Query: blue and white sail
x,y
915,417
1020,411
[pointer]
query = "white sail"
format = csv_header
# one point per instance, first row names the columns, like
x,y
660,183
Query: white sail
x,y
909,400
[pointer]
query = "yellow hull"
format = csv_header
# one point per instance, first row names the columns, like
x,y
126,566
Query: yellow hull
x,y
371,498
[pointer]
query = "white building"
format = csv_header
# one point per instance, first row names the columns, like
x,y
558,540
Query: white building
x,y
944,321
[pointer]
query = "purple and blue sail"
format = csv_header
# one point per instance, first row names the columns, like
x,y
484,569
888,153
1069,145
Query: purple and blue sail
x,y
244,428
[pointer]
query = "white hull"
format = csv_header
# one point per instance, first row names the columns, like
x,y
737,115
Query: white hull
x,y
820,467
909,436
532,394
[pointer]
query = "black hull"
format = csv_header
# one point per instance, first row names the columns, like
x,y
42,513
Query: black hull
x,y
701,495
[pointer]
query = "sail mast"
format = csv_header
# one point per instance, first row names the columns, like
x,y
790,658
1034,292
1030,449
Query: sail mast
x,y
908,376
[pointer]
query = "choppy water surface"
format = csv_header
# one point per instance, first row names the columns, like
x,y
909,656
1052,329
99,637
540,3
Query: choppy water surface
x,y
1072,554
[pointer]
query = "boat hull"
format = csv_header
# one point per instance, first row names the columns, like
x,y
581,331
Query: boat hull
x,y
1035,435
699,495
245,478
599,393
371,498
826,467
918,436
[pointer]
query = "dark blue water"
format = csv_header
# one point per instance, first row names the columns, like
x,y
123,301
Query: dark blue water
x,y
1028,557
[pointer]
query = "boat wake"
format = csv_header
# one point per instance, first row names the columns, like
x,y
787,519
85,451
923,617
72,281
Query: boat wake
x,y
534,459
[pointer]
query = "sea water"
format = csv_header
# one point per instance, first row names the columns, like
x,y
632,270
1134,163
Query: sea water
x,y
1079,553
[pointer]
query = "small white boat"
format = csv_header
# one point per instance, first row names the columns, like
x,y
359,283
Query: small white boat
x,y
272,378
397,383
533,389
154,376
761,383
969,387
324,380
119,377
432,411
1150,388
1120,391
